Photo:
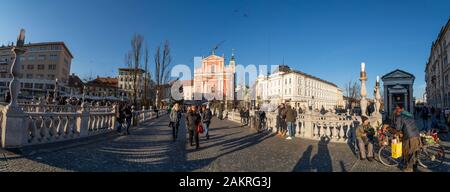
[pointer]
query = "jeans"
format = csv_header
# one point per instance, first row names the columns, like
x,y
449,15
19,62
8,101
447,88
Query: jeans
x,y
175,126
425,125
206,127
119,126
291,128
128,125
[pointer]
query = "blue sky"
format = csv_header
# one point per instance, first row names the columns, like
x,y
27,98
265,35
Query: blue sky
x,y
328,39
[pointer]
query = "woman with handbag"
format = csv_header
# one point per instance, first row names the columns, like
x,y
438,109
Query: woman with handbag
x,y
175,116
193,120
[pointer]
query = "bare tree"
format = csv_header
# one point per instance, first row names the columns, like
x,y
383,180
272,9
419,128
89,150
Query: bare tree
x,y
147,76
352,91
162,64
133,61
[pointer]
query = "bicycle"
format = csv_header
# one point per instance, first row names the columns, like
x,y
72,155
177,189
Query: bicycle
x,y
430,154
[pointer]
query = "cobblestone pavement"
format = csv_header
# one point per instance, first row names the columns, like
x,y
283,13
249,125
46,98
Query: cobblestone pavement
x,y
230,148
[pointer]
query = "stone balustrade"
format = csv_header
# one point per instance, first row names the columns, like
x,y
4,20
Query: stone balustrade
x,y
338,128
40,126
145,115
29,107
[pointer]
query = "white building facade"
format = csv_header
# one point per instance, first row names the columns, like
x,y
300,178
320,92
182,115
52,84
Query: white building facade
x,y
299,89
437,71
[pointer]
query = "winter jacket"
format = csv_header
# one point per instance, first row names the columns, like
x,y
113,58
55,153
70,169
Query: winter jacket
x,y
290,114
192,120
175,116
407,125
206,116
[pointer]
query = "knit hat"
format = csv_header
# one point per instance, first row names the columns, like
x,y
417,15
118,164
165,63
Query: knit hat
x,y
364,118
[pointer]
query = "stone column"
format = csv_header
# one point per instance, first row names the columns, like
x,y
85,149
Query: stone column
x,y
83,121
13,123
55,92
389,107
363,78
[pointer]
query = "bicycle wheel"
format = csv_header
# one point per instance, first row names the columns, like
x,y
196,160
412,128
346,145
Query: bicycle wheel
x,y
431,156
385,156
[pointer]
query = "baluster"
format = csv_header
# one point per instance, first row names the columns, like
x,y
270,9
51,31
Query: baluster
x,y
65,131
97,122
335,131
328,132
91,123
349,131
32,130
43,129
341,133
316,130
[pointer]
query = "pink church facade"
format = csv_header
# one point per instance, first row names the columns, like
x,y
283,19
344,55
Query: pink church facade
x,y
214,80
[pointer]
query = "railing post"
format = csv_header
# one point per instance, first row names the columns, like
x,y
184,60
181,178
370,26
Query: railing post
x,y
83,121
14,129
143,113
134,119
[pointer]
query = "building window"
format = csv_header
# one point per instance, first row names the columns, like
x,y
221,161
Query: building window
x,y
29,76
30,67
54,57
28,85
21,58
31,58
51,77
41,67
39,86
52,67
40,76
41,57
43,48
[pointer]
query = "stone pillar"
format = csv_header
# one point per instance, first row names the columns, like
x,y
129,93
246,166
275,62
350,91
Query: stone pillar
x,y
13,123
83,121
55,92
114,120
363,78
389,107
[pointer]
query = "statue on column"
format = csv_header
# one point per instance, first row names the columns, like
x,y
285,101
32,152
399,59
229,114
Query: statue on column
x,y
55,92
14,86
377,97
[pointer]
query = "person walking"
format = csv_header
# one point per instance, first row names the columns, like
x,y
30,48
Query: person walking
x,y
241,113
192,121
290,116
175,116
206,119
280,120
405,122
119,117
128,117
425,114
365,137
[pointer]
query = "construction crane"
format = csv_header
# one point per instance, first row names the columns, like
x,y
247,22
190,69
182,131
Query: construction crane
x,y
217,47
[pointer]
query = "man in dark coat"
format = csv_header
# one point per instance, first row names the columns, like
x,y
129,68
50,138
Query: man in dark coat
x,y
193,119
405,122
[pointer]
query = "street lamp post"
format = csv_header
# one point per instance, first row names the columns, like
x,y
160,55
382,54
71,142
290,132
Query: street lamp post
x,y
363,79
55,91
